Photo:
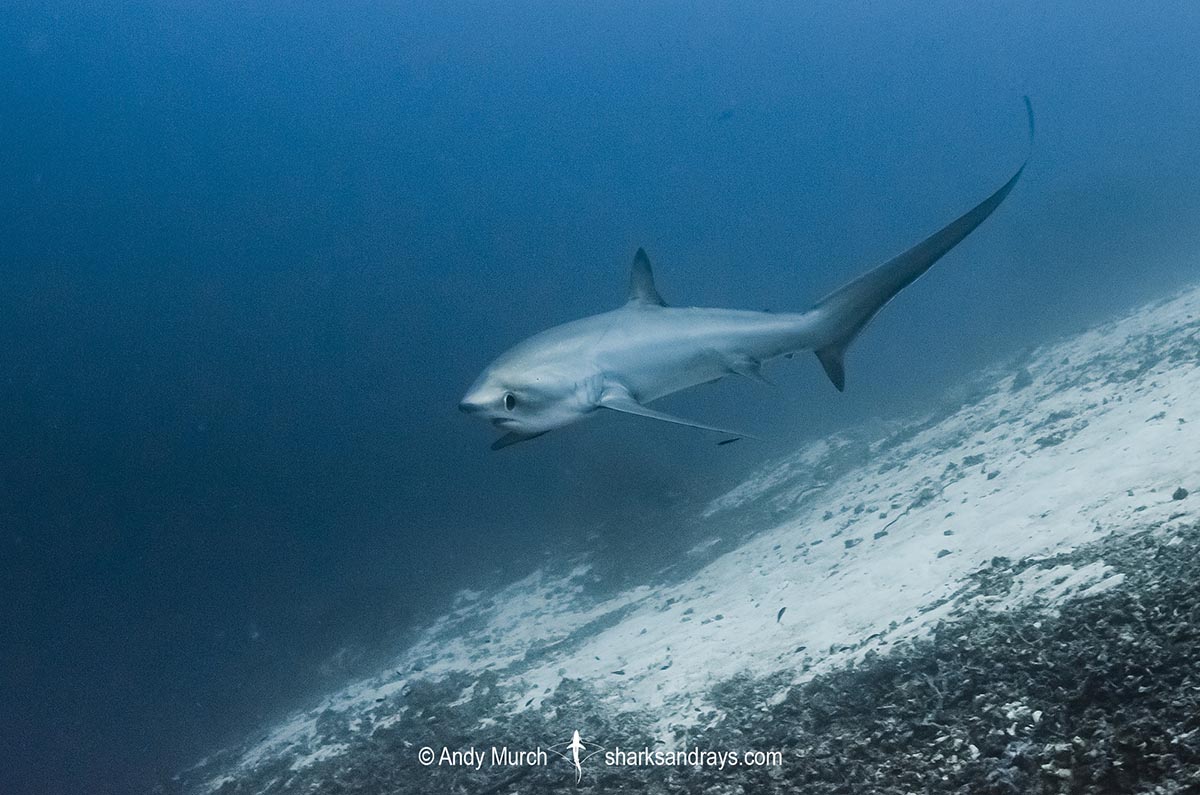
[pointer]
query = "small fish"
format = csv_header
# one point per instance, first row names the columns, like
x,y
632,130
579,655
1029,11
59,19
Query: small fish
x,y
779,615
729,441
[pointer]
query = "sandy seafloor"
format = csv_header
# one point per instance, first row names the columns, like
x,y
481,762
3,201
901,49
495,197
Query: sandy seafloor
x,y
1001,596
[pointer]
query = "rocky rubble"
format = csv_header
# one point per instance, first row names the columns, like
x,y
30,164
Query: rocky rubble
x,y
1098,694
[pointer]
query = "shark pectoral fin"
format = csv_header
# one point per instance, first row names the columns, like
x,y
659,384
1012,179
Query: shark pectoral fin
x,y
624,403
512,437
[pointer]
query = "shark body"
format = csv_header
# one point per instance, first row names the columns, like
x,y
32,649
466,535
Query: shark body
x,y
626,358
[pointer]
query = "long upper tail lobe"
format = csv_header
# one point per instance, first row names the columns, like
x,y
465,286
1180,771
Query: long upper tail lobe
x,y
847,311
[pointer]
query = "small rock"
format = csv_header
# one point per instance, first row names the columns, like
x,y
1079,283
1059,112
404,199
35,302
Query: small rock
x,y
1180,493
943,553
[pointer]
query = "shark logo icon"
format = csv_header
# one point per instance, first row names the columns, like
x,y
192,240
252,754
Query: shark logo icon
x,y
576,746
576,753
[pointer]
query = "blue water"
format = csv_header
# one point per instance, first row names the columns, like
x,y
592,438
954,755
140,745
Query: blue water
x,y
254,253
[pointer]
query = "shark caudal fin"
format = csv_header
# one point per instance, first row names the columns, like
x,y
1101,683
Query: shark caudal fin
x,y
844,313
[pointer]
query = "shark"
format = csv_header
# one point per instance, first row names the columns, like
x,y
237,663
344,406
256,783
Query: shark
x,y
623,360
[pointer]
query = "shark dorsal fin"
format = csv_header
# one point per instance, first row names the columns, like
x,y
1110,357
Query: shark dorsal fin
x,y
641,282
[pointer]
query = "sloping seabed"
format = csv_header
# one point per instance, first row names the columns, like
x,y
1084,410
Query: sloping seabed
x,y
1000,598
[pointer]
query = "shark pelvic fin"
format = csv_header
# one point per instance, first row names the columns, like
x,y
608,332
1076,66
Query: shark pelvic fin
x,y
512,437
749,368
641,282
622,401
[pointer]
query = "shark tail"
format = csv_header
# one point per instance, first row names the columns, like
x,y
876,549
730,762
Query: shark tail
x,y
844,313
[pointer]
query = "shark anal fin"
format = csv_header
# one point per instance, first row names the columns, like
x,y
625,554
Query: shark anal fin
x,y
641,281
622,401
512,437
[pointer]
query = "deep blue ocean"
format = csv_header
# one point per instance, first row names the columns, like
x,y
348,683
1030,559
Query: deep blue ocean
x,y
254,253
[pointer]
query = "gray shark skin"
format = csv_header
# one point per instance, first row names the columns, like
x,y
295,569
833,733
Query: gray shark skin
x,y
624,359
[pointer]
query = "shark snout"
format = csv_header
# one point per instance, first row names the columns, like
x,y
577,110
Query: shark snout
x,y
468,406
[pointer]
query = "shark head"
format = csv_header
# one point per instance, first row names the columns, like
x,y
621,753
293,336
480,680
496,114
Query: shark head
x,y
525,399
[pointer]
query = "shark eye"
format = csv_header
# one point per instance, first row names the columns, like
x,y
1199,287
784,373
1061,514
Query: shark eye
x,y
510,402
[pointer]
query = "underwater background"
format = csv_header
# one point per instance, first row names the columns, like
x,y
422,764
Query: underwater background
x,y
254,253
